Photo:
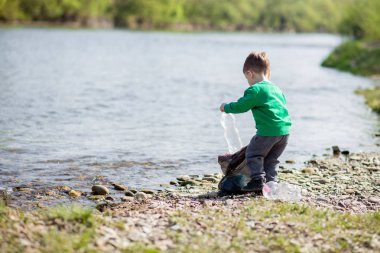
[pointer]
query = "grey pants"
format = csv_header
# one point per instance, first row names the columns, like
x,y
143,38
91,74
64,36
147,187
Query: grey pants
x,y
262,155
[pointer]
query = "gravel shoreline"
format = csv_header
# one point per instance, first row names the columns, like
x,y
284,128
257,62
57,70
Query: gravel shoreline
x,y
343,193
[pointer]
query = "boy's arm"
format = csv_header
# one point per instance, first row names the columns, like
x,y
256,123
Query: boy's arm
x,y
244,104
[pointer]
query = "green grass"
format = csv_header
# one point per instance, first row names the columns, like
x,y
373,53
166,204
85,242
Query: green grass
x,y
356,57
280,227
72,213
372,97
258,225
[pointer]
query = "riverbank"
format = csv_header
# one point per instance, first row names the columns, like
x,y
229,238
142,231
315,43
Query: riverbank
x,y
339,212
357,57
372,97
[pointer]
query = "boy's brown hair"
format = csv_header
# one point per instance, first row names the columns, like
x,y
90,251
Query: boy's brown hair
x,y
258,62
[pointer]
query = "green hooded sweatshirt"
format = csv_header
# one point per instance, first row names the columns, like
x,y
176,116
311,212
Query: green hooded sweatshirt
x,y
268,106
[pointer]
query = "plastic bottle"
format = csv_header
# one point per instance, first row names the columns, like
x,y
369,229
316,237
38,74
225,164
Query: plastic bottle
x,y
231,133
282,191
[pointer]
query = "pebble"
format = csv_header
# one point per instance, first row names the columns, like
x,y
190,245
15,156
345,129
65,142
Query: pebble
x,y
355,158
64,188
173,183
183,178
322,181
308,170
290,161
126,198
148,191
140,196
228,202
21,188
211,179
95,197
100,190
374,200
188,182
120,187
74,193
129,193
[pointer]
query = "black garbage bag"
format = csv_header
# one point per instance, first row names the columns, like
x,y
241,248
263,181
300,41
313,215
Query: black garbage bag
x,y
236,172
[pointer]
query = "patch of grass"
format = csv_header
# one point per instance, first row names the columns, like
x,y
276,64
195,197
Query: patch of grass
x,y
263,225
72,213
372,97
356,57
140,248
66,242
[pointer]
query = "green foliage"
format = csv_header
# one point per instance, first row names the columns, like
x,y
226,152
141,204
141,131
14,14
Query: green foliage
x,y
372,97
362,19
356,57
269,15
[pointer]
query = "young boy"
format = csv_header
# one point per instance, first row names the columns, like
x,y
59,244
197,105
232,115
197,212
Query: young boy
x,y
268,106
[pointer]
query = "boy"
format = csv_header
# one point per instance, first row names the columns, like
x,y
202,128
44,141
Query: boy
x,y
268,106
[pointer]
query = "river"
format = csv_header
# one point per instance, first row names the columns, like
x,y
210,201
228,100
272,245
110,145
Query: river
x,y
141,108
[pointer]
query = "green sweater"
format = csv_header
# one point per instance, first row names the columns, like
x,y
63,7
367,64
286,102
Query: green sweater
x,y
268,106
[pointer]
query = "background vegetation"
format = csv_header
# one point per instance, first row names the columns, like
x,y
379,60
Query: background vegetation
x,y
266,15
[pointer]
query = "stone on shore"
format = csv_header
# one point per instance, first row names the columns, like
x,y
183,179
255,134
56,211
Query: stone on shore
x,y
308,170
183,178
119,187
100,190
75,193
140,196
129,193
374,200
148,191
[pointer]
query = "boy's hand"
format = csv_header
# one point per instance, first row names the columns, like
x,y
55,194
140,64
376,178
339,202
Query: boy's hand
x,y
222,107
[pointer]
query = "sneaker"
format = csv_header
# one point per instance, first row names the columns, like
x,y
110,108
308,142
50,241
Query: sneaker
x,y
255,185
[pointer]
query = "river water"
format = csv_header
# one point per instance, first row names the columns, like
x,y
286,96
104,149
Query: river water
x,y
142,107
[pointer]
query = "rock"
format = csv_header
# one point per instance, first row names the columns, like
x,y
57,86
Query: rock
x,y
189,182
129,193
250,224
350,191
21,188
345,152
228,202
100,190
133,190
148,191
183,178
126,198
374,200
321,181
290,161
173,183
373,168
211,179
110,198
64,188
308,170
95,197
102,206
336,150
74,193
355,158
140,196
120,187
